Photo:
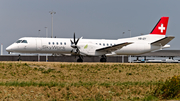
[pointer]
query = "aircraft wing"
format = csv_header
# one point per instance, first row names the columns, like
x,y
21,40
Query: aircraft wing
x,y
114,47
163,41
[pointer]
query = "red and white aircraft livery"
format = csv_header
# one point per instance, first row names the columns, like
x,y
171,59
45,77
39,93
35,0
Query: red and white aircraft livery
x,y
156,40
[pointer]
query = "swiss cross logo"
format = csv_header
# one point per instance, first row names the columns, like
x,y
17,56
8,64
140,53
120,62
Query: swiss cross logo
x,y
162,28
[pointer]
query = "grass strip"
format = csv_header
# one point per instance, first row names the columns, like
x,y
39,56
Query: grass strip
x,y
23,84
78,84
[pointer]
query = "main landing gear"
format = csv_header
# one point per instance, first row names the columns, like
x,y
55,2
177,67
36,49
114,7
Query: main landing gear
x,y
103,58
80,59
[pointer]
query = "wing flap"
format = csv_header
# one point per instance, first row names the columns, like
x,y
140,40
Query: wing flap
x,y
114,47
163,41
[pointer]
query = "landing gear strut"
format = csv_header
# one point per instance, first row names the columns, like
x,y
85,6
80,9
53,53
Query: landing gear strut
x,y
80,59
19,58
103,58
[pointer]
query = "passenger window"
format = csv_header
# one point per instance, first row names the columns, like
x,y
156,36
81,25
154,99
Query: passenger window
x,y
111,44
103,44
64,43
107,44
24,41
61,43
99,43
18,41
57,43
49,43
53,43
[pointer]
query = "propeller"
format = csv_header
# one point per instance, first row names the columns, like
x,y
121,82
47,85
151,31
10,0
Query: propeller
x,y
74,44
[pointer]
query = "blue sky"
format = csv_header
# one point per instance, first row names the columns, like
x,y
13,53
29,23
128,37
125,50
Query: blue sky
x,y
102,19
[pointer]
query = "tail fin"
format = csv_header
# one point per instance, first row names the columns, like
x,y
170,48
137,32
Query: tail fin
x,y
161,26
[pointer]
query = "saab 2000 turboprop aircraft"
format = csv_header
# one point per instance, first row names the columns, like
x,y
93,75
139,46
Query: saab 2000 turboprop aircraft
x,y
96,47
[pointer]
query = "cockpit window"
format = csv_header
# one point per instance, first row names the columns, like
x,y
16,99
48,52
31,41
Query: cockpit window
x,y
19,41
24,41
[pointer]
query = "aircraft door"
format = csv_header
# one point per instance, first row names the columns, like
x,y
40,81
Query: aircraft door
x,y
38,44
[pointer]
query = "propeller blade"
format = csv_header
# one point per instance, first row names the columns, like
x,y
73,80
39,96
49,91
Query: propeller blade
x,y
71,41
76,41
74,38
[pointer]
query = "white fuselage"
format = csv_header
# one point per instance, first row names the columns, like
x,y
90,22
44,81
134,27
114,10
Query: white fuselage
x,y
141,44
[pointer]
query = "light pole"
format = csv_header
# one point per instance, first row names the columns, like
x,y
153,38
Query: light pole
x,y
52,12
123,55
1,49
39,32
46,32
123,34
46,37
130,32
130,36
38,53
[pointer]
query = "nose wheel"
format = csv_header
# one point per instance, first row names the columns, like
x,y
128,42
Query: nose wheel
x,y
19,58
103,58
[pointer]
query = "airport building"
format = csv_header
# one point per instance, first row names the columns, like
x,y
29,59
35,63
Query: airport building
x,y
168,54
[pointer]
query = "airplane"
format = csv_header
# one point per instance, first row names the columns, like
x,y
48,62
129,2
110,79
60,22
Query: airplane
x,y
80,47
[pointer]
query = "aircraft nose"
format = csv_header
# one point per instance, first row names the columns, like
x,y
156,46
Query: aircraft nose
x,y
8,49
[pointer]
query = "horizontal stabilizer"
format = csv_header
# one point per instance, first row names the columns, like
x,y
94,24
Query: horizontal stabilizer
x,y
163,41
114,47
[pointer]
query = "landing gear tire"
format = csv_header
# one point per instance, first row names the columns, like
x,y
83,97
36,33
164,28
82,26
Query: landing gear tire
x,y
79,60
103,60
